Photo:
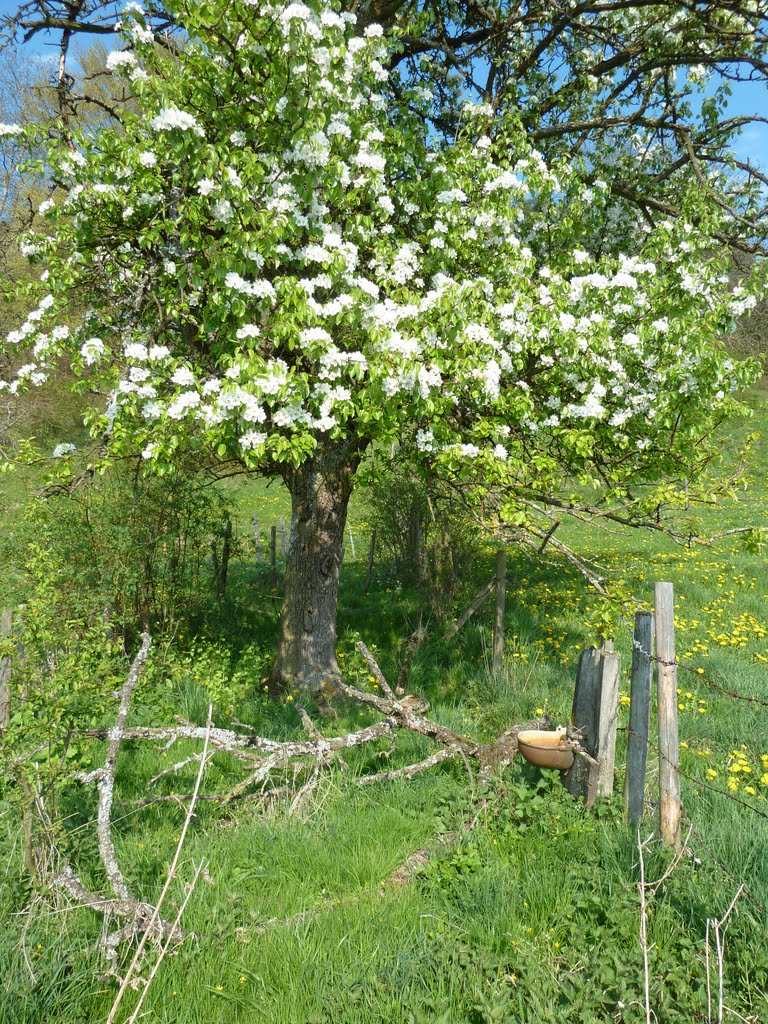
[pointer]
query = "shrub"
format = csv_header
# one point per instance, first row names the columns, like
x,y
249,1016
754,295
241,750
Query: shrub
x,y
134,551
422,526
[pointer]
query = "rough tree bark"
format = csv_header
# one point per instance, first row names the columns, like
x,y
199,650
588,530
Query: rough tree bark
x,y
320,490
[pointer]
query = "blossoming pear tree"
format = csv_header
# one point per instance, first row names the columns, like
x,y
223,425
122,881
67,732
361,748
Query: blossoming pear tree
x,y
276,262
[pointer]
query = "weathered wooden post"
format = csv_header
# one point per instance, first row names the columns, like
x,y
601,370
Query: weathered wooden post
x,y
594,719
371,553
669,751
256,536
273,552
351,542
222,568
608,716
639,717
6,629
498,622
283,540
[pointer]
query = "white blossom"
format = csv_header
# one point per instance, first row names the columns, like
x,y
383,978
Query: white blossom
x,y
222,210
92,350
170,118
121,59
183,376
252,439
65,448
247,331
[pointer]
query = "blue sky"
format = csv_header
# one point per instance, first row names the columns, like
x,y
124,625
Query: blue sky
x,y
747,98
752,98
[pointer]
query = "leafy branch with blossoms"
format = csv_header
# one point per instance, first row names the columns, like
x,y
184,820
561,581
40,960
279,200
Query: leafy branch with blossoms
x,y
280,260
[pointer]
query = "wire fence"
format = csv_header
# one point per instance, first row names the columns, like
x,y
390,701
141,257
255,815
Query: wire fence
x,y
701,677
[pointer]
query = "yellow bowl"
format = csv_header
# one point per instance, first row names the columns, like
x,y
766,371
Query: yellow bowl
x,y
546,749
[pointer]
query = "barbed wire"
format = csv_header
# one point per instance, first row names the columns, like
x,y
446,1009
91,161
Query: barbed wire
x,y
698,672
733,694
692,778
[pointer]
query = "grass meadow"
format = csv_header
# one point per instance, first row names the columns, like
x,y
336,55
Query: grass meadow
x,y
533,915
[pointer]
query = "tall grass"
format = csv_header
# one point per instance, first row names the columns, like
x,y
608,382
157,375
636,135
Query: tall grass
x,y
531,915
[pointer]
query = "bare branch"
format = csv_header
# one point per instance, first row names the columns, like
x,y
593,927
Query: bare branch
x,y
105,776
375,670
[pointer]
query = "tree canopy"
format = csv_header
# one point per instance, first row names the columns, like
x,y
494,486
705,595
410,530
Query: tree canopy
x,y
642,83
287,256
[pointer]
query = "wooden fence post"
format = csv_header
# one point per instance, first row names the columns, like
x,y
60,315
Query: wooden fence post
x,y
222,568
581,778
594,717
371,553
283,540
6,629
273,552
639,717
351,543
256,537
498,623
669,751
608,716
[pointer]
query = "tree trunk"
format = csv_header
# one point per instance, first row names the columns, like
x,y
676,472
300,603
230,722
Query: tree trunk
x,y
320,489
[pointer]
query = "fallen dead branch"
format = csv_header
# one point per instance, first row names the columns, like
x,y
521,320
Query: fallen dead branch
x,y
410,769
142,917
271,769
105,776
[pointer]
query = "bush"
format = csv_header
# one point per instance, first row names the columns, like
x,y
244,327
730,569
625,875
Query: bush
x,y
134,551
421,525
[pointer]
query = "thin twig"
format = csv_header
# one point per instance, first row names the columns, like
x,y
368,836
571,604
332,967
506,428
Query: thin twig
x,y
720,947
169,879
644,926
447,753
156,966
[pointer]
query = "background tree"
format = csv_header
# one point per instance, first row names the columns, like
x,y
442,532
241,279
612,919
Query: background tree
x,y
286,264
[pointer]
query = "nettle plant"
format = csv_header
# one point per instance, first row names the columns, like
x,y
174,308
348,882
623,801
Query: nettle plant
x,y
283,264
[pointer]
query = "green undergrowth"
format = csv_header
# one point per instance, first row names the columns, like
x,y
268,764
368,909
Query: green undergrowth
x,y
527,909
